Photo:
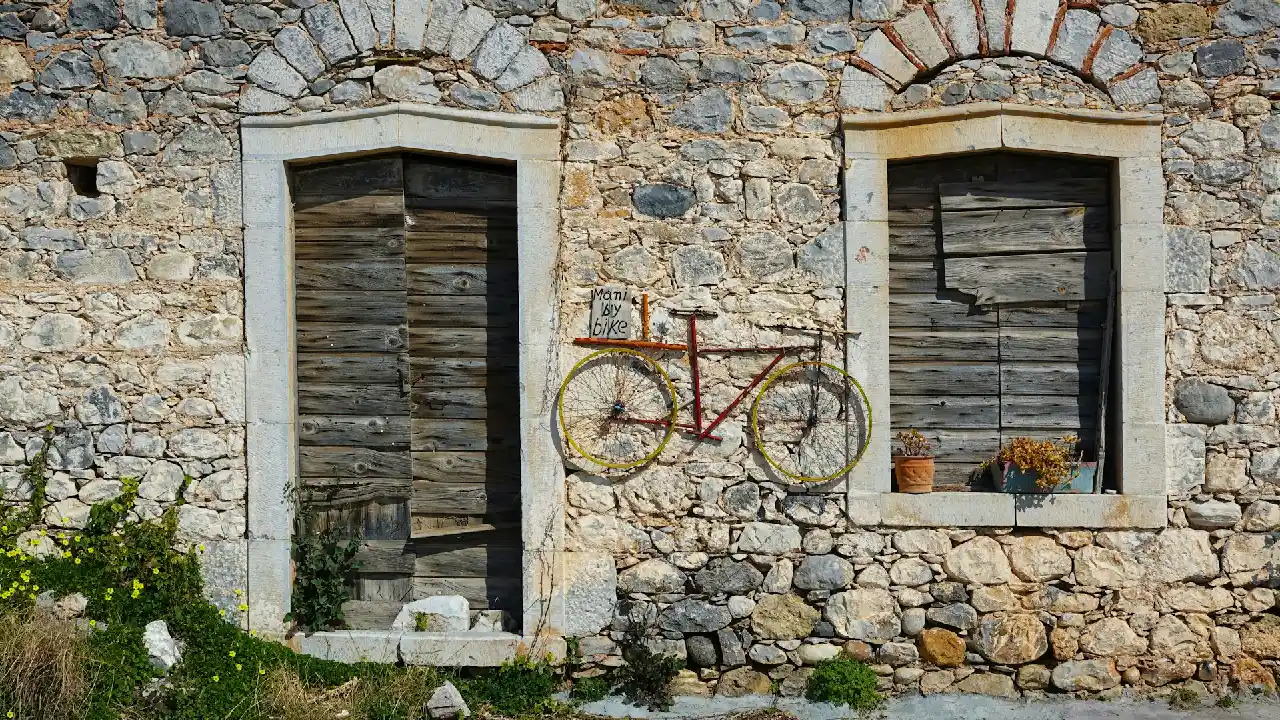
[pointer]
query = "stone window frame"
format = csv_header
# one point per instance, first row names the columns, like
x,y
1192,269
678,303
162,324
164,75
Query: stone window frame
x,y
1132,141
269,145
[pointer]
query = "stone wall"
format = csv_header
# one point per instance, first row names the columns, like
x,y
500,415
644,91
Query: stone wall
x,y
702,161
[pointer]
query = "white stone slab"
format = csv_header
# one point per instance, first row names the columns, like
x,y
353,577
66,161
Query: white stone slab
x,y
449,613
1091,511
353,646
1123,135
1141,459
940,509
270,454
474,649
270,573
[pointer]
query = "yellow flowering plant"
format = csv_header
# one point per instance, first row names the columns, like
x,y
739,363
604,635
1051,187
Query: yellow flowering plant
x,y
1052,461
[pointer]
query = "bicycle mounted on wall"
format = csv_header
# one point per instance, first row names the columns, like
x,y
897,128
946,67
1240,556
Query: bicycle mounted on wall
x,y
617,407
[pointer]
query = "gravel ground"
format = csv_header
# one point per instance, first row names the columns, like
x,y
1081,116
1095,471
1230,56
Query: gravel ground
x,y
938,707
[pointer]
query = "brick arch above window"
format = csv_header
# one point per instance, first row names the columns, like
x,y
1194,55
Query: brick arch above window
x,y
919,44
335,34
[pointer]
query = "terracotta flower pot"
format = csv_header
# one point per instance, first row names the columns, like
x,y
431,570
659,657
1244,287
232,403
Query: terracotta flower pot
x,y
914,474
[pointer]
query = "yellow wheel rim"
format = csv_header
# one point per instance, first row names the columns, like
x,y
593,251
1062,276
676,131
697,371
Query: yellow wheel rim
x,y
670,422
755,425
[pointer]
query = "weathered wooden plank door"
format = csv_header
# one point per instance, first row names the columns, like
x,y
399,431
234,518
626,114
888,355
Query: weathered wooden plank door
x,y
405,292
999,267
353,416
461,254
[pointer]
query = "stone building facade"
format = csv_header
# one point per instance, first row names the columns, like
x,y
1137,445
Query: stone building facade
x,y
720,154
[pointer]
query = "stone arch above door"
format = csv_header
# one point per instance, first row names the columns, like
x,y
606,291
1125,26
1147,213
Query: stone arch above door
x,y
343,33
919,44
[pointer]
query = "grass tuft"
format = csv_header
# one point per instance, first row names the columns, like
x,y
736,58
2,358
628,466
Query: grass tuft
x,y
44,668
844,681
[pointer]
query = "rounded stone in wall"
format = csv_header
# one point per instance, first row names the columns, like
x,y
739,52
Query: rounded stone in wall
x,y
701,651
662,200
783,617
1203,403
1012,639
868,614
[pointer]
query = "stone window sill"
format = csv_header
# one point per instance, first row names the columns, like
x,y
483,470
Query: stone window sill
x,y
979,509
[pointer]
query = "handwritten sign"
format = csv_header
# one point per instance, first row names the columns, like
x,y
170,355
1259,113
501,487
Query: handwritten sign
x,y
611,313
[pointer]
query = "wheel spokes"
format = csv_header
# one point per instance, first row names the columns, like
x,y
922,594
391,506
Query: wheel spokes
x,y
616,408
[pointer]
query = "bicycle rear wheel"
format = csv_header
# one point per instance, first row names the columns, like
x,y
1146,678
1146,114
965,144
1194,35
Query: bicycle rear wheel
x,y
617,408
811,421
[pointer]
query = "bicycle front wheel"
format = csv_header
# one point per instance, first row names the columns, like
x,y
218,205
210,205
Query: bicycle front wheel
x,y
811,421
617,408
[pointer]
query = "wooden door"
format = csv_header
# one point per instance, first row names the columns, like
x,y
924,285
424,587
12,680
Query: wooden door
x,y
999,274
461,254
405,291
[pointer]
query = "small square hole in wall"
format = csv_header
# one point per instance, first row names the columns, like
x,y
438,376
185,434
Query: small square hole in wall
x,y
83,176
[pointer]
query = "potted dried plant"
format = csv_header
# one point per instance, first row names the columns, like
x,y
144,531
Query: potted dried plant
x,y
913,466
1027,465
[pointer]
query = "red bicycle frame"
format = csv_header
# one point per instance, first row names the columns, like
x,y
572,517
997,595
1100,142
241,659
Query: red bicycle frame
x,y
698,429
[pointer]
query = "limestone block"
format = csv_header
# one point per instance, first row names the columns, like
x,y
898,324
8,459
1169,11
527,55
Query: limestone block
x,y
473,649
1032,25
1075,37
862,90
1116,54
353,646
355,13
917,32
943,510
471,28
1011,639
994,13
881,53
960,22
782,617
1184,458
441,21
1172,21
326,27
